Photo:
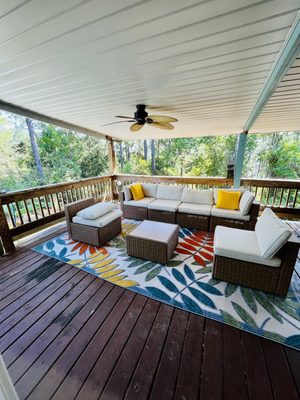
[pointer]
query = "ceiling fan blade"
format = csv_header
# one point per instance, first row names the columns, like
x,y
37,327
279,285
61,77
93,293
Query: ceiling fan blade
x,y
162,118
162,125
119,122
136,127
122,116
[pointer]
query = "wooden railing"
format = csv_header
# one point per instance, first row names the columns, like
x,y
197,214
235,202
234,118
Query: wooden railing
x,y
283,196
23,210
192,181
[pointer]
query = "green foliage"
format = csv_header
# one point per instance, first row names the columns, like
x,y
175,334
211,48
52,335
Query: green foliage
x,y
64,155
67,155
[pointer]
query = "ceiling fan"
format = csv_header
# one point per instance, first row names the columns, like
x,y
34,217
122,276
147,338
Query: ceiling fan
x,y
141,118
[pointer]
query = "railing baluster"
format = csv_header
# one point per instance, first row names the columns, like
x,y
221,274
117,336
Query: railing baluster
x,y
281,197
274,196
288,198
41,207
34,209
58,201
47,205
295,198
261,194
53,204
12,217
27,211
19,213
268,196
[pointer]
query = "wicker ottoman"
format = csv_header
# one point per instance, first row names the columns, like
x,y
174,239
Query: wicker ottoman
x,y
154,241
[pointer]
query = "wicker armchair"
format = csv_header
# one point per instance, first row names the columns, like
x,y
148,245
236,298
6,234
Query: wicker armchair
x,y
89,234
269,275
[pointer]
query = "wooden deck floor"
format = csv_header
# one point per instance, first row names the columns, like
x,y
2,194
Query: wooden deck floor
x,y
65,334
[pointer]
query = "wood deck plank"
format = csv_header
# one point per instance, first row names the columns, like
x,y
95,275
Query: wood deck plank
x,y
95,312
141,382
293,357
281,379
99,375
233,362
81,368
259,384
188,384
31,274
16,267
212,377
164,385
24,304
120,377
40,344
21,328
60,303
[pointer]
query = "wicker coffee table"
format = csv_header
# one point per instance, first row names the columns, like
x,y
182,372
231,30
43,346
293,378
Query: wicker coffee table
x,y
154,241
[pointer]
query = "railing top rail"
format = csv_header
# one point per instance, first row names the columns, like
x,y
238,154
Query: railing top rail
x,y
279,183
178,179
50,189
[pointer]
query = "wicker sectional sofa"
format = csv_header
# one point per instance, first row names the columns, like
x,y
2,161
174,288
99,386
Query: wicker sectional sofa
x,y
188,208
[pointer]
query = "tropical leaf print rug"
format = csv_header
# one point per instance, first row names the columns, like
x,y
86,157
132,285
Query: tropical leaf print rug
x,y
186,282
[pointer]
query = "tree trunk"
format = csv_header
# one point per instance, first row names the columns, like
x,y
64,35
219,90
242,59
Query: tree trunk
x,y
127,151
153,166
121,155
145,150
35,151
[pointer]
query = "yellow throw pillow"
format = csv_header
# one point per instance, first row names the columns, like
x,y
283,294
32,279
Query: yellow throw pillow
x,y
229,200
137,191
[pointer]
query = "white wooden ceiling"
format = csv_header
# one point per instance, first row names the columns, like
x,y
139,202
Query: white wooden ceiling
x,y
204,62
283,108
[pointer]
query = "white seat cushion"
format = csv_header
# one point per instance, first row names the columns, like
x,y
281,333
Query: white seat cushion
x,y
96,210
139,203
240,245
246,202
149,189
154,231
197,196
271,232
164,205
198,209
167,192
99,222
224,213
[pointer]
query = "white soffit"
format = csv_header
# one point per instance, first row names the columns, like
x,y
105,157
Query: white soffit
x,y
282,112
204,62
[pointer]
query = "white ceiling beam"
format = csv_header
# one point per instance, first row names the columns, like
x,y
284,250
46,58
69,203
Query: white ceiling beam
x,y
9,107
284,60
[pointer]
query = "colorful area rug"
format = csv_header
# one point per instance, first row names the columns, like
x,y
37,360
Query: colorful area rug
x,y
187,283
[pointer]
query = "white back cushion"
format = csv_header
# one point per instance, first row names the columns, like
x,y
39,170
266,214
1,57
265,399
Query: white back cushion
x,y
96,211
240,189
149,189
246,202
127,193
167,192
197,196
271,233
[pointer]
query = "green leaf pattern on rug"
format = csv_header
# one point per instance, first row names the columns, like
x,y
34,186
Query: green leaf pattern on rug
x,y
245,316
249,299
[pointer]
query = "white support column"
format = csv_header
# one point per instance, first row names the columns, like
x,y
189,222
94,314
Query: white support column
x,y
239,159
